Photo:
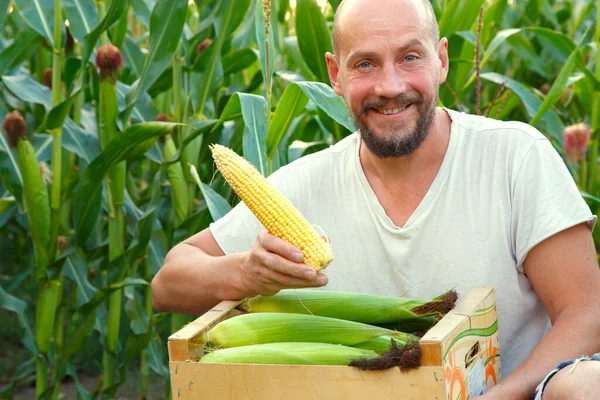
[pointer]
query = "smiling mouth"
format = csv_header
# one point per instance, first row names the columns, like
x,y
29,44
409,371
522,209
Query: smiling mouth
x,y
392,111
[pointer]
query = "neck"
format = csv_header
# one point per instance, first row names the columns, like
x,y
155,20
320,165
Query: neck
x,y
412,167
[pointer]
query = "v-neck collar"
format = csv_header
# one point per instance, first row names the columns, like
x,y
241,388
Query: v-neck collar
x,y
432,192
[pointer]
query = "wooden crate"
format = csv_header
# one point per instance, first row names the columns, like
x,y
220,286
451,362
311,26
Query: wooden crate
x,y
461,357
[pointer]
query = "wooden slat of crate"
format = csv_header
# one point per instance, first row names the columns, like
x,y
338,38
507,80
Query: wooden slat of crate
x,y
294,382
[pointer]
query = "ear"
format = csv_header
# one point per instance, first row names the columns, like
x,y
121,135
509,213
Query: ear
x,y
444,62
334,71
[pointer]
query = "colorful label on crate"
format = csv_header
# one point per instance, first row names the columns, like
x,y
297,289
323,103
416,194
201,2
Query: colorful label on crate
x,y
472,358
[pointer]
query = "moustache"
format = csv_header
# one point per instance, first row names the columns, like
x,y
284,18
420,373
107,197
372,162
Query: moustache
x,y
382,102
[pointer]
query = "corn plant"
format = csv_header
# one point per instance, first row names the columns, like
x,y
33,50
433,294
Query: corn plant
x,y
106,103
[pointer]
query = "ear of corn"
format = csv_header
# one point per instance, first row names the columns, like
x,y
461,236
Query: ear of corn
x,y
277,214
37,204
289,353
382,344
247,329
359,307
179,188
45,312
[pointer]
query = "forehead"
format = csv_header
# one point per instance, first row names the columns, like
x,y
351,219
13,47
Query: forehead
x,y
363,26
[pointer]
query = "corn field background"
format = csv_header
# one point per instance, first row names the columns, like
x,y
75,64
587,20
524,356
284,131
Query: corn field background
x,y
92,201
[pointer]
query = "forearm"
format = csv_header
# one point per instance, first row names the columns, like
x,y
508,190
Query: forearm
x,y
191,281
573,334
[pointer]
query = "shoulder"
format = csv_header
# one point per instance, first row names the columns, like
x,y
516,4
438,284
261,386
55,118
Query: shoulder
x,y
500,130
508,141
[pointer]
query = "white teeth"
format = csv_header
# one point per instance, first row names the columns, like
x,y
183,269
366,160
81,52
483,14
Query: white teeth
x,y
390,111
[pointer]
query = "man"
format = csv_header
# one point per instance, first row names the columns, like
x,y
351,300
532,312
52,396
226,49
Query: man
x,y
422,200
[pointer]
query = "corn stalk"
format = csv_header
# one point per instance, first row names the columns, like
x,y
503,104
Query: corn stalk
x,y
109,60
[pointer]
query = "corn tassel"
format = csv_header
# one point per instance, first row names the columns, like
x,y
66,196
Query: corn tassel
x,y
289,353
359,307
277,214
259,328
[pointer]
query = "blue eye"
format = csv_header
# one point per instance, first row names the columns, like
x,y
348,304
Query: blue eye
x,y
410,58
364,65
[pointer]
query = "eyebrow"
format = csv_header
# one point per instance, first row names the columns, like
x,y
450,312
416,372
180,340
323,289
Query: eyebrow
x,y
370,54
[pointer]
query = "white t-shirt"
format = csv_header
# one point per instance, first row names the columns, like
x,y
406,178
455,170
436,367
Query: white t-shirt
x,y
501,189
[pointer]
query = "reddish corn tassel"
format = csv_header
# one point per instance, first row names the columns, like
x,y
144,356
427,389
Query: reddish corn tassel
x,y
576,138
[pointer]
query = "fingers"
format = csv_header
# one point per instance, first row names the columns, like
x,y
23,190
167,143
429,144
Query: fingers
x,y
279,246
273,264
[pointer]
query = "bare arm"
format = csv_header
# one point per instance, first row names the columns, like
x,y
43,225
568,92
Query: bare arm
x,y
196,274
563,270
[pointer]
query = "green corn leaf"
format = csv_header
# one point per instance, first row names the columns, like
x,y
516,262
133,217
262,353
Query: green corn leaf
x,y
82,393
19,50
253,111
27,89
293,51
164,39
113,13
56,117
39,15
335,4
3,10
133,57
82,16
283,7
228,16
328,101
558,87
553,125
75,139
11,303
292,103
593,199
314,38
156,359
6,203
138,318
22,373
88,196
84,318
9,170
75,268
238,60
459,15
141,11
217,205
118,32
143,110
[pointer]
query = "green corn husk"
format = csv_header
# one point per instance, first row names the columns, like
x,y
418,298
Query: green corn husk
x,y
382,344
179,188
358,307
259,328
415,325
47,303
37,204
301,353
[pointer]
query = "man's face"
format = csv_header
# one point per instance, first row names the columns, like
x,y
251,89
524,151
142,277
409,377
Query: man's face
x,y
389,72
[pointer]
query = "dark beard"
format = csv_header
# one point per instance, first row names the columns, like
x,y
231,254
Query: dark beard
x,y
390,145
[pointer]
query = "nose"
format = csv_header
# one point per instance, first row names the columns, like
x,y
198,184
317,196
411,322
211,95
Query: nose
x,y
390,82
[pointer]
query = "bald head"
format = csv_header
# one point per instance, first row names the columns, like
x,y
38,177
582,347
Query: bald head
x,y
345,6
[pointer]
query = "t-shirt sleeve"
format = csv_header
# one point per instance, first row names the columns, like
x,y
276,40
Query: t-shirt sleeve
x,y
545,200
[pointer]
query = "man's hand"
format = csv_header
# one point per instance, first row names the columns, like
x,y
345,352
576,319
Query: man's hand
x,y
273,264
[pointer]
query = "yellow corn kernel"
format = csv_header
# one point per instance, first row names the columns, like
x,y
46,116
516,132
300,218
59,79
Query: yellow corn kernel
x,y
277,214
